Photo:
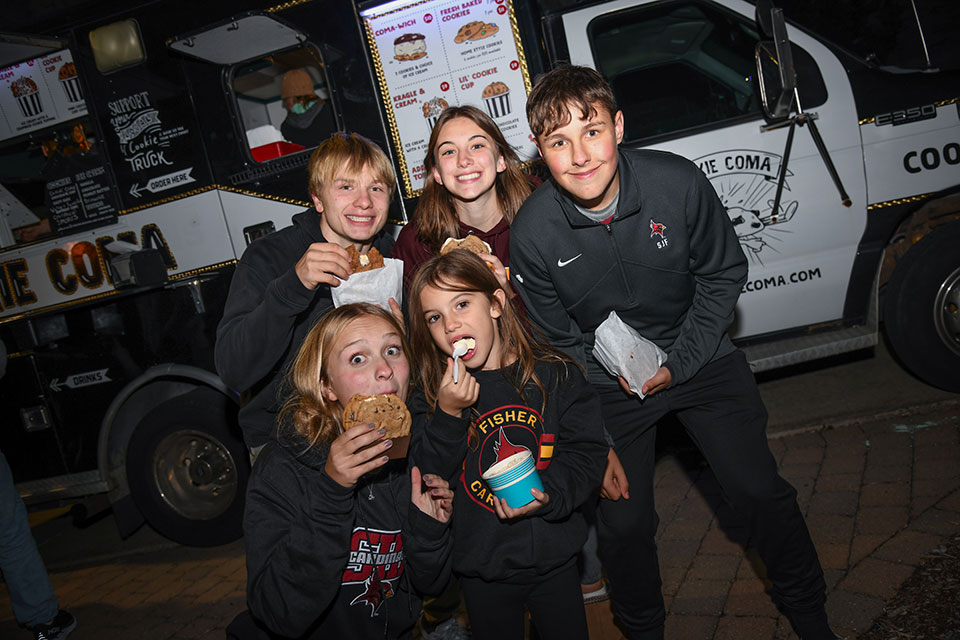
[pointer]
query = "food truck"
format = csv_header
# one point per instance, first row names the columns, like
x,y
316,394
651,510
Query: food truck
x,y
141,152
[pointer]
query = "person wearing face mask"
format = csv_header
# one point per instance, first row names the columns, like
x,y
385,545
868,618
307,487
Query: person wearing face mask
x,y
309,118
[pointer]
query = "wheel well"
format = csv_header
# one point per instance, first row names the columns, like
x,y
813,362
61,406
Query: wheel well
x,y
129,408
915,226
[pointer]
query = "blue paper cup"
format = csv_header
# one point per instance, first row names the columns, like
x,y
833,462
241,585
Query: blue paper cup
x,y
512,478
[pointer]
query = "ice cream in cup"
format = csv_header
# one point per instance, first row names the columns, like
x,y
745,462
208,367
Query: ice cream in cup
x,y
512,478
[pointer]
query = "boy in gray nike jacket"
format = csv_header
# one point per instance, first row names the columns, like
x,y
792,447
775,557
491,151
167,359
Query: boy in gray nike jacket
x,y
643,233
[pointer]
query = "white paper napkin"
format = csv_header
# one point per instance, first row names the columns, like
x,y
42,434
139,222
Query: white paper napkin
x,y
622,351
376,286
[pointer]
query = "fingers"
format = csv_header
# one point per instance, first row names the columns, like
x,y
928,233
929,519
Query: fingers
x,y
415,480
505,512
624,486
625,385
323,262
397,313
660,381
454,397
501,508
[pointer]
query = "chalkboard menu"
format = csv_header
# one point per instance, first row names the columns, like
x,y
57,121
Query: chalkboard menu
x,y
79,193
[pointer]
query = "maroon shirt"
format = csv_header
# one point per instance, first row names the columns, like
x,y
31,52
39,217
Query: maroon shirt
x,y
413,252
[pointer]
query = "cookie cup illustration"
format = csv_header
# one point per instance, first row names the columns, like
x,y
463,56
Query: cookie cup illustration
x,y
496,98
28,96
70,82
432,110
512,478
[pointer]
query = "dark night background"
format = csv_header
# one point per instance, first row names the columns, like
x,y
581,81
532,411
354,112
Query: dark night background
x,y
882,32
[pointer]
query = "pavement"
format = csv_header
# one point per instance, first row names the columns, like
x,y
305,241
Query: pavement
x,y
878,494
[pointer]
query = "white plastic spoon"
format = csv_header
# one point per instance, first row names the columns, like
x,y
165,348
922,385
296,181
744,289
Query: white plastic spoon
x,y
459,349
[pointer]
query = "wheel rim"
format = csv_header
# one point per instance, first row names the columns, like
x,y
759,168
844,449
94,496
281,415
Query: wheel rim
x,y
946,312
195,474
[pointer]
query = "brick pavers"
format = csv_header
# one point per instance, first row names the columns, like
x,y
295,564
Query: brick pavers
x,y
877,496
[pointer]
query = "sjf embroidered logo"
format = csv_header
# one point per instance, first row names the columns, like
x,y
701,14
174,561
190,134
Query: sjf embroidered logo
x,y
659,229
375,564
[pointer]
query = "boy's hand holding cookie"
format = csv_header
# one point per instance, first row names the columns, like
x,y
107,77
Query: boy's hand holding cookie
x,y
504,512
454,397
323,262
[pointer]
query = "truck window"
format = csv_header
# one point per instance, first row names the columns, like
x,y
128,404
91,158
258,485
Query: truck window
x,y
678,65
284,102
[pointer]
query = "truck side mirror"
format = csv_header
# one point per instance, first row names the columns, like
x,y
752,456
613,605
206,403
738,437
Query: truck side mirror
x,y
778,78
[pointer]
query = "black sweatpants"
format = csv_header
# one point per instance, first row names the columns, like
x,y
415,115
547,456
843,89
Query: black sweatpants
x,y
724,415
555,602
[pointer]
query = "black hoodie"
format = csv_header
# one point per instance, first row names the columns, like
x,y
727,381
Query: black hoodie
x,y
267,316
325,561
566,438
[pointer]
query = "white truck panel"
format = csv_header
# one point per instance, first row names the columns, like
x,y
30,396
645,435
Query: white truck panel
x,y
912,159
800,265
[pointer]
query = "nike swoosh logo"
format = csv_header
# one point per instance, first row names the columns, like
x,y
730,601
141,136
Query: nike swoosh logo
x,y
563,263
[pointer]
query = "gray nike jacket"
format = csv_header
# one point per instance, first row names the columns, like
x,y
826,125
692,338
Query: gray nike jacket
x,y
669,264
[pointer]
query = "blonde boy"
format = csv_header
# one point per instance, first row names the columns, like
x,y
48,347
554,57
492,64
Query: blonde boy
x,y
281,287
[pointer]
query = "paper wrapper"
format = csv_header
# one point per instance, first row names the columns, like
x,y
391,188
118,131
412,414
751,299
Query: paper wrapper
x,y
624,352
376,286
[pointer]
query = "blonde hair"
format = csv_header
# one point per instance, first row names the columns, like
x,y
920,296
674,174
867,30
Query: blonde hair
x,y
351,152
559,91
311,414
436,213
461,270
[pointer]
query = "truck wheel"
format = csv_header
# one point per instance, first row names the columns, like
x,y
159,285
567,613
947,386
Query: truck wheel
x,y
188,469
921,308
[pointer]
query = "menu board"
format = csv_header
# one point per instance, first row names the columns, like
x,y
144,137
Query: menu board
x,y
433,54
39,93
81,196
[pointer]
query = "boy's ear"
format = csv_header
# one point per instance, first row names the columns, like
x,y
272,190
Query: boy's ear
x,y
496,310
618,126
317,203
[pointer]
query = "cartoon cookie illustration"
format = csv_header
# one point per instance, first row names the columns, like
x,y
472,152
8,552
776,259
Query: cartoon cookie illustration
x,y
468,31
410,46
496,97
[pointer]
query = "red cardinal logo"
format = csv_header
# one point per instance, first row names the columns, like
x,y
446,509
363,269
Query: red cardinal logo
x,y
657,228
375,592
504,448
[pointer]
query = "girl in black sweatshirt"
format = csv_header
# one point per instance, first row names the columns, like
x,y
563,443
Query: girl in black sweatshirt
x,y
338,543
512,393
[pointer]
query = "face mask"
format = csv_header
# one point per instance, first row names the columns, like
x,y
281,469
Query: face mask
x,y
300,109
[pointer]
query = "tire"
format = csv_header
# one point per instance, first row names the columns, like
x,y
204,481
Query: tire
x,y
921,308
188,469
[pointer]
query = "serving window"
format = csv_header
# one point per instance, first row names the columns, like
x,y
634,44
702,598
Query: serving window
x,y
284,102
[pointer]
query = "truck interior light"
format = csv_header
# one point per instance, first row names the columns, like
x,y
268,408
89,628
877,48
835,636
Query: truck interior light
x,y
117,45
